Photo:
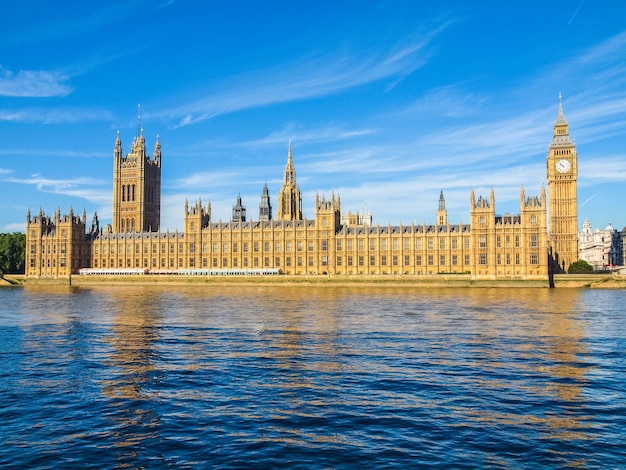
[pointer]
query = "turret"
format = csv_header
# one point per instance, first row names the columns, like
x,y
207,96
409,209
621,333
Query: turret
x,y
157,151
196,216
442,214
117,151
328,213
265,208
239,211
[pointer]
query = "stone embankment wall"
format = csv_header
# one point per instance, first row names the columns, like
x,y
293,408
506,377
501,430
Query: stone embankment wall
x,y
560,281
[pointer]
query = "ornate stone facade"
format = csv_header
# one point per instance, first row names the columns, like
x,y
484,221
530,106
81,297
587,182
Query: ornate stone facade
x,y
136,187
490,246
602,249
562,168
289,198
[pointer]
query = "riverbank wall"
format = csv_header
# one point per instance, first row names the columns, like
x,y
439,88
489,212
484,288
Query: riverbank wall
x,y
571,281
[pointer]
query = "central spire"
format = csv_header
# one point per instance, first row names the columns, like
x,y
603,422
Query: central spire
x,y
138,120
290,171
560,119
290,198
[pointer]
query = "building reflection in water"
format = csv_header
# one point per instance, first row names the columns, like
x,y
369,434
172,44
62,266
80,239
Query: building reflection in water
x,y
271,355
540,337
133,374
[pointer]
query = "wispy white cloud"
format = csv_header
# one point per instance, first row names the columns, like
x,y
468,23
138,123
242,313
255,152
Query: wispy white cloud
x,y
33,84
453,101
605,52
13,227
65,153
90,189
55,115
322,133
603,169
519,134
413,47
214,180
312,76
598,119
296,132
94,191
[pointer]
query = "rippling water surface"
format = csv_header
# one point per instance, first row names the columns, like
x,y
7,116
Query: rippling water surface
x,y
312,377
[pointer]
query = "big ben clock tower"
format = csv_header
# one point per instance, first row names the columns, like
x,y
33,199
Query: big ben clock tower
x,y
562,170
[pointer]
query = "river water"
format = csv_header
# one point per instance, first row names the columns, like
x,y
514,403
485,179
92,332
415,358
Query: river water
x,y
312,377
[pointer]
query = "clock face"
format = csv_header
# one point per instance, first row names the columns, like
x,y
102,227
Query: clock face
x,y
563,166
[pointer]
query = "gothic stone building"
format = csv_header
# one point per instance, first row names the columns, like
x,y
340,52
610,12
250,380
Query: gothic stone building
x,y
490,246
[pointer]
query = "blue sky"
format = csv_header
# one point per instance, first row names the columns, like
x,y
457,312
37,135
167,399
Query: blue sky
x,y
386,102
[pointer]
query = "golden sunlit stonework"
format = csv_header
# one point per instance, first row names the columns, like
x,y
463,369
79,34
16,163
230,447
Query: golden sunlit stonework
x,y
490,246
562,168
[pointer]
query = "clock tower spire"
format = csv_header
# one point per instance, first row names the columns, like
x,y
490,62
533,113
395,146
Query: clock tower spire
x,y
562,168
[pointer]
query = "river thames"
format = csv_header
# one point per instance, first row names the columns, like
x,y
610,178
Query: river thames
x,y
312,377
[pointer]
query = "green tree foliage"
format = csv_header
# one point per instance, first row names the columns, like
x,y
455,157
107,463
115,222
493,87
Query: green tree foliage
x,y
12,252
580,267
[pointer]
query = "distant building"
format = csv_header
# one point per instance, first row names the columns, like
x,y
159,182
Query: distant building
x,y
490,246
602,249
363,217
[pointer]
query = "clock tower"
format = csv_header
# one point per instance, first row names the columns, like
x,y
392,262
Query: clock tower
x,y
562,168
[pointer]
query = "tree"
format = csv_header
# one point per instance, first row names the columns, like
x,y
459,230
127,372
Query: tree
x,y
12,252
580,267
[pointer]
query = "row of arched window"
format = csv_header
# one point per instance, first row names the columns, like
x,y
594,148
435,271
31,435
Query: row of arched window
x,y
128,192
128,225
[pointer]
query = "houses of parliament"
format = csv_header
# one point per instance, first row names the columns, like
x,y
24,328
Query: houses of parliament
x,y
282,240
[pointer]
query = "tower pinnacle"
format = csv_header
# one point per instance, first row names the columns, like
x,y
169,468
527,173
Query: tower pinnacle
x,y
560,119
290,198
442,213
561,128
290,171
